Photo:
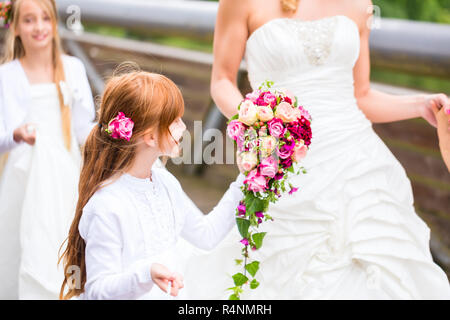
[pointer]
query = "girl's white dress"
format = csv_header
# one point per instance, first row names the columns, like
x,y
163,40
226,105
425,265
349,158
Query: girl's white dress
x,y
351,231
131,223
38,185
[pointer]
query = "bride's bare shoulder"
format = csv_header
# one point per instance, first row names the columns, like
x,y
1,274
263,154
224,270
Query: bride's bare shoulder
x,y
360,11
234,6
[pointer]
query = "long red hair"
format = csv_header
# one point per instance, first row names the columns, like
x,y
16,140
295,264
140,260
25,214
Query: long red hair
x,y
152,101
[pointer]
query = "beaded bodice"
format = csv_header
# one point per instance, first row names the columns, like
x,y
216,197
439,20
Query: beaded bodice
x,y
288,46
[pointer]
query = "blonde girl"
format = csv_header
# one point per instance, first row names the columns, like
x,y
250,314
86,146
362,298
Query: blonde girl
x,y
46,112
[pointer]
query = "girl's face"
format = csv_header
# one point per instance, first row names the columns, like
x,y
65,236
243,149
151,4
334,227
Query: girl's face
x,y
34,26
176,129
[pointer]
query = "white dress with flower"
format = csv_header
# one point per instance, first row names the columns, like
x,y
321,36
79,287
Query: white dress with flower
x,y
351,231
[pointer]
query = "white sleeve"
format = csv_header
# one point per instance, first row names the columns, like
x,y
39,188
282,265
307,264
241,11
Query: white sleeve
x,y
83,111
7,142
206,231
105,278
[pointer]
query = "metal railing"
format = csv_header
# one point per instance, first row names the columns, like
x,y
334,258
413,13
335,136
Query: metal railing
x,y
400,45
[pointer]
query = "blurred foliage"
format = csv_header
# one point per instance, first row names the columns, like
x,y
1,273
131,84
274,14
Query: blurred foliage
x,y
421,10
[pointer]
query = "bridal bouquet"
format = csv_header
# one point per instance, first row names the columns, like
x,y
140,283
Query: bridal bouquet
x,y
272,132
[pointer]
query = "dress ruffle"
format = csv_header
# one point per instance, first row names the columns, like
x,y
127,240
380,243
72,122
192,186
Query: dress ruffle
x,y
353,234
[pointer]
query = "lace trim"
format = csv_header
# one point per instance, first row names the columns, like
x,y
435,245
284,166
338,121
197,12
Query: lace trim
x,y
158,220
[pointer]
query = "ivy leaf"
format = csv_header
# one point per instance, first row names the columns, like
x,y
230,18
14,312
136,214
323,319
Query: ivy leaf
x,y
253,204
258,239
239,279
243,225
234,297
254,284
252,268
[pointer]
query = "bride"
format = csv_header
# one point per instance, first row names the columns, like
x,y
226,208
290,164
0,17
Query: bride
x,y
351,232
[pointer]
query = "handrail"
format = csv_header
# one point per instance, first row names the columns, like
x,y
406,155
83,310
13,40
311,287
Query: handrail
x,y
399,45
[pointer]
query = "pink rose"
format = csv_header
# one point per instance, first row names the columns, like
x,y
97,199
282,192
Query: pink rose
x,y
255,182
253,96
270,98
285,112
121,127
289,95
248,160
269,167
248,113
300,152
265,113
304,113
276,127
235,129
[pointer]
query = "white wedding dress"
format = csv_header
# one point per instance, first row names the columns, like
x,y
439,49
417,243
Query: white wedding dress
x,y
351,231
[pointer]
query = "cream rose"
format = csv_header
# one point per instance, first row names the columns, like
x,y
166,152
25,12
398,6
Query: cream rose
x,y
265,113
248,113
285,112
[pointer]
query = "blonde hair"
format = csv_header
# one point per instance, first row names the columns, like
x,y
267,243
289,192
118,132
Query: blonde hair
x,y
14,49
289,5
151,101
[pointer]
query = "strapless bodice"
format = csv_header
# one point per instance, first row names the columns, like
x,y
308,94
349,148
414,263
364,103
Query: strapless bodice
x,y
315,60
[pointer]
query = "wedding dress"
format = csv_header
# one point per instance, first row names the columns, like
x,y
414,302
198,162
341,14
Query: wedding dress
x,y
351,231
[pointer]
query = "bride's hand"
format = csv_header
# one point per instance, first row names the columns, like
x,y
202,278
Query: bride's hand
x,y
426,110
25,133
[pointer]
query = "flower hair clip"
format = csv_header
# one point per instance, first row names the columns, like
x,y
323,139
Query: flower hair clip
x,y
5,13
120,127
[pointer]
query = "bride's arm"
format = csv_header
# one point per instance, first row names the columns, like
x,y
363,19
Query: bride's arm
x,y
381,107
230,36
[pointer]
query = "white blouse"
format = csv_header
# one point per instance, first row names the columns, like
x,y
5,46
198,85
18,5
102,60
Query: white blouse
x,y
16,100
131,223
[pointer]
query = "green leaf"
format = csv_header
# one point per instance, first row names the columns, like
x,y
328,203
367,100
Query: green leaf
x,y
239,279
258,239
243,225
234,297
254,284
235,117
252,268
238,261
254,204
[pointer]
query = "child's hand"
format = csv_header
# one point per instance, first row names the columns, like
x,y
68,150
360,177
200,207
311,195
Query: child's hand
x,y
161,276
443,121
25,133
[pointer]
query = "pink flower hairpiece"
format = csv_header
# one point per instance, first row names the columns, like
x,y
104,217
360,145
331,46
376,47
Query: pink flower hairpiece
x,y
5,13
120,127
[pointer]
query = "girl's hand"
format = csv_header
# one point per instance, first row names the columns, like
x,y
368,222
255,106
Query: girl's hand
x,y
25,133
443,122
437,100
161,277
